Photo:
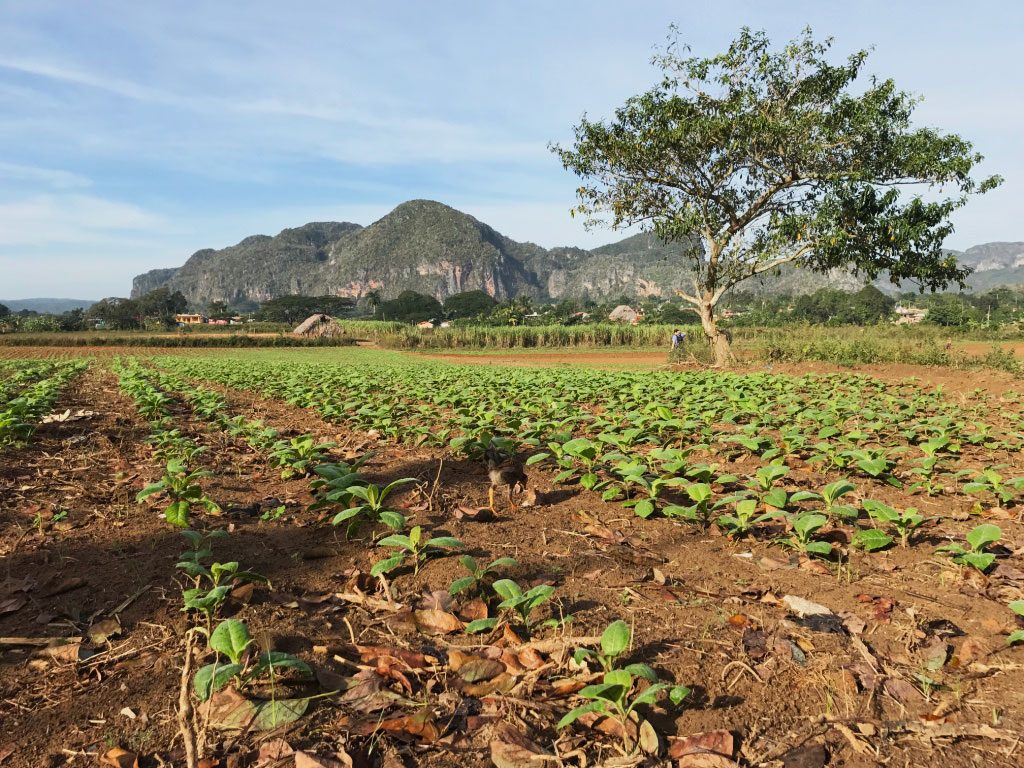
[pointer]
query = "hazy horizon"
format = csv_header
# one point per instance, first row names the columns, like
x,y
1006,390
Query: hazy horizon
x,y
134,135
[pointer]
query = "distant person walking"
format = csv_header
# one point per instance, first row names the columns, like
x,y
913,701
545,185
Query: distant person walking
x,y
678,337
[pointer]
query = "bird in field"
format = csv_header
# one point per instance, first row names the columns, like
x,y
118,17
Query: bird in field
x,y
507,471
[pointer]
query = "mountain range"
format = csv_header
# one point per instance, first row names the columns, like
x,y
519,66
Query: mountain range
x,y
432,248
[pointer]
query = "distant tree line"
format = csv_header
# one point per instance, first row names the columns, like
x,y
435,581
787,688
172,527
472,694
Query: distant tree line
x,y
827,306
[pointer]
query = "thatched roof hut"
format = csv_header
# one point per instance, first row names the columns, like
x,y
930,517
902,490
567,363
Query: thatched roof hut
x,y
624,314
318,325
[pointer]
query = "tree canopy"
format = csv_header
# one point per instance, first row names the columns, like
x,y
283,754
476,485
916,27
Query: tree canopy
x,y
469,304
295,309
763,157
411,307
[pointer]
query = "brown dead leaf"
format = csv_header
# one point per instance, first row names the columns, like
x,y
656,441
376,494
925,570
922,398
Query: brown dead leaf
x,y
473,514
511,662
566,685
738,620
434,622
531,658
420,725
806,756
67,585
273,750
972,649
410,659
719,742
12,604
473,610
511,749
120,758
706,760
480,670
853,623
70,651
771,564
243,593
366,692
438,600
228,710
901,690
503,683
337,760
101,631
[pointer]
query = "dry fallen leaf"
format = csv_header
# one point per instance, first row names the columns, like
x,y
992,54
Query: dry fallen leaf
x,y
480,670
972,649
120,758
434,622
68,585
101,631
511,749
337,760
718,742
12,604
705,760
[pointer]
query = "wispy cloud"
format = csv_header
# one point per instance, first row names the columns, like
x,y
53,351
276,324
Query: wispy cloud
x,y
71,218
49,177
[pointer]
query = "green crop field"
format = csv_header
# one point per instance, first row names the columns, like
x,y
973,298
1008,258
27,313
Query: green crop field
x,y
315,526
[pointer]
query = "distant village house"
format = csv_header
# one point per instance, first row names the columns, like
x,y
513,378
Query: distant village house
x,y
910,315
189,319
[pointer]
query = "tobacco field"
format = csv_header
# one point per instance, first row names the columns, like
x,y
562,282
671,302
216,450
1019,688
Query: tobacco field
x,y
244,560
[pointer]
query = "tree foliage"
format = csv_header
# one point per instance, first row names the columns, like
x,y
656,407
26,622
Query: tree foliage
x,y
295,309
469,304
411,307
116,313
772,157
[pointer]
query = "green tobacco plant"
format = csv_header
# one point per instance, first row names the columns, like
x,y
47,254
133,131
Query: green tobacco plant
x,y
415,547
374,506
515,601
904,523
974,553
990,481
743,519
231,639
1017,636
478,575
615,639
182,491
298,455
620,691
700,511
831,495
805,526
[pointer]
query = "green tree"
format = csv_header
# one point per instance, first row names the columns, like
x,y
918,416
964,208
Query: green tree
x,y
469,304
769,157
295,309
950,310
117,313
4,311
218,310
373,299
162,305
411,307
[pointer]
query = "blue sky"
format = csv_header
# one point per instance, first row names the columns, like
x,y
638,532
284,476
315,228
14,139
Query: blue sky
x,y
134,133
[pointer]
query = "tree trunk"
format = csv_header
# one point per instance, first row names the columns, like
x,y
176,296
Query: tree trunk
x,y
716,338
